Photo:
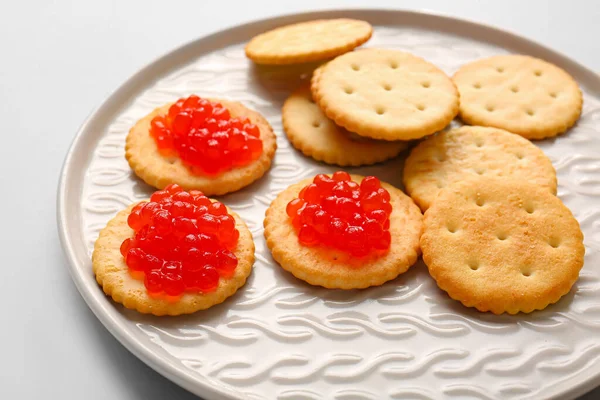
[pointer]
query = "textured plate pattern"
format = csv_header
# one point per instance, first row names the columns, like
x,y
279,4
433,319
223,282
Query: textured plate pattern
x,y
279,337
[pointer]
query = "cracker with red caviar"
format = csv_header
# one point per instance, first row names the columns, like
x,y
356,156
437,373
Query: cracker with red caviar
x,y
160,168
315,135
502,245
307,256
181,284
308,41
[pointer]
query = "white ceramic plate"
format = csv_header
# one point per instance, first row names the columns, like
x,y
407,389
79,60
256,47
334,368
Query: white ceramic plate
x,y
280,338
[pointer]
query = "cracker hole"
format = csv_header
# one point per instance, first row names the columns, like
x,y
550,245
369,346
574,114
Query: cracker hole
x,y
421,107
171,160
387,86
452,228
426,84
538,73
520,156
479,171
355,67
530,113
393,64
500,69
439,185
490,108
477,85
554,242
380,110
514,89
479,142
348,90
529,208
553,95
526,271
316,124
502,236
474,265
479,201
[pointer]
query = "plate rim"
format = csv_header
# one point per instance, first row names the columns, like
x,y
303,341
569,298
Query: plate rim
x,y
100,306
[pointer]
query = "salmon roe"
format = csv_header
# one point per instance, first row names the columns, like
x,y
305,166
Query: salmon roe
x,y
338,212
182,242
205,137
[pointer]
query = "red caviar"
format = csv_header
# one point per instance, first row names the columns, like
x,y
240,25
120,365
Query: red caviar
x,y
182,242
340,213
205,137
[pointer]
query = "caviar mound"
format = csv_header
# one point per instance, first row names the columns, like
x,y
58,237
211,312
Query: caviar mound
x,y
340,213
336,269
205,137
182,242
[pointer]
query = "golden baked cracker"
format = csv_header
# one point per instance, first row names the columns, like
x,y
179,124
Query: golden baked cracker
x,y
521,94
159,171
385,94
308,41
473,151
311,132
112,273
502,245
335,269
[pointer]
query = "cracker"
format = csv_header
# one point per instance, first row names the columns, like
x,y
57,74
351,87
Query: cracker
x,y
521,94
385,94
159,171
334,269
112,273
502,245
470,152
308,41
315,135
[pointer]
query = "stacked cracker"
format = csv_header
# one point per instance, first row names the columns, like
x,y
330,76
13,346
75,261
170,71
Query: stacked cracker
x,y
495,235
383,97
363,106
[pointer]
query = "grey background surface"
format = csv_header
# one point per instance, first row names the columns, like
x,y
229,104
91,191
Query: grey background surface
x,y
58,61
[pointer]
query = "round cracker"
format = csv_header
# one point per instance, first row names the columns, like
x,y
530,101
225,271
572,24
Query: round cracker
x,y
159,171
521,94
112,273
334,269
315,135
470,152
385,94
308,41
502,245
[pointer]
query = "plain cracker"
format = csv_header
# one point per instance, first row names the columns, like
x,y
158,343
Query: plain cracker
x,y
308,41
521,94
112,272
159,171
502,245
385,94
335,269
470,152
315,135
